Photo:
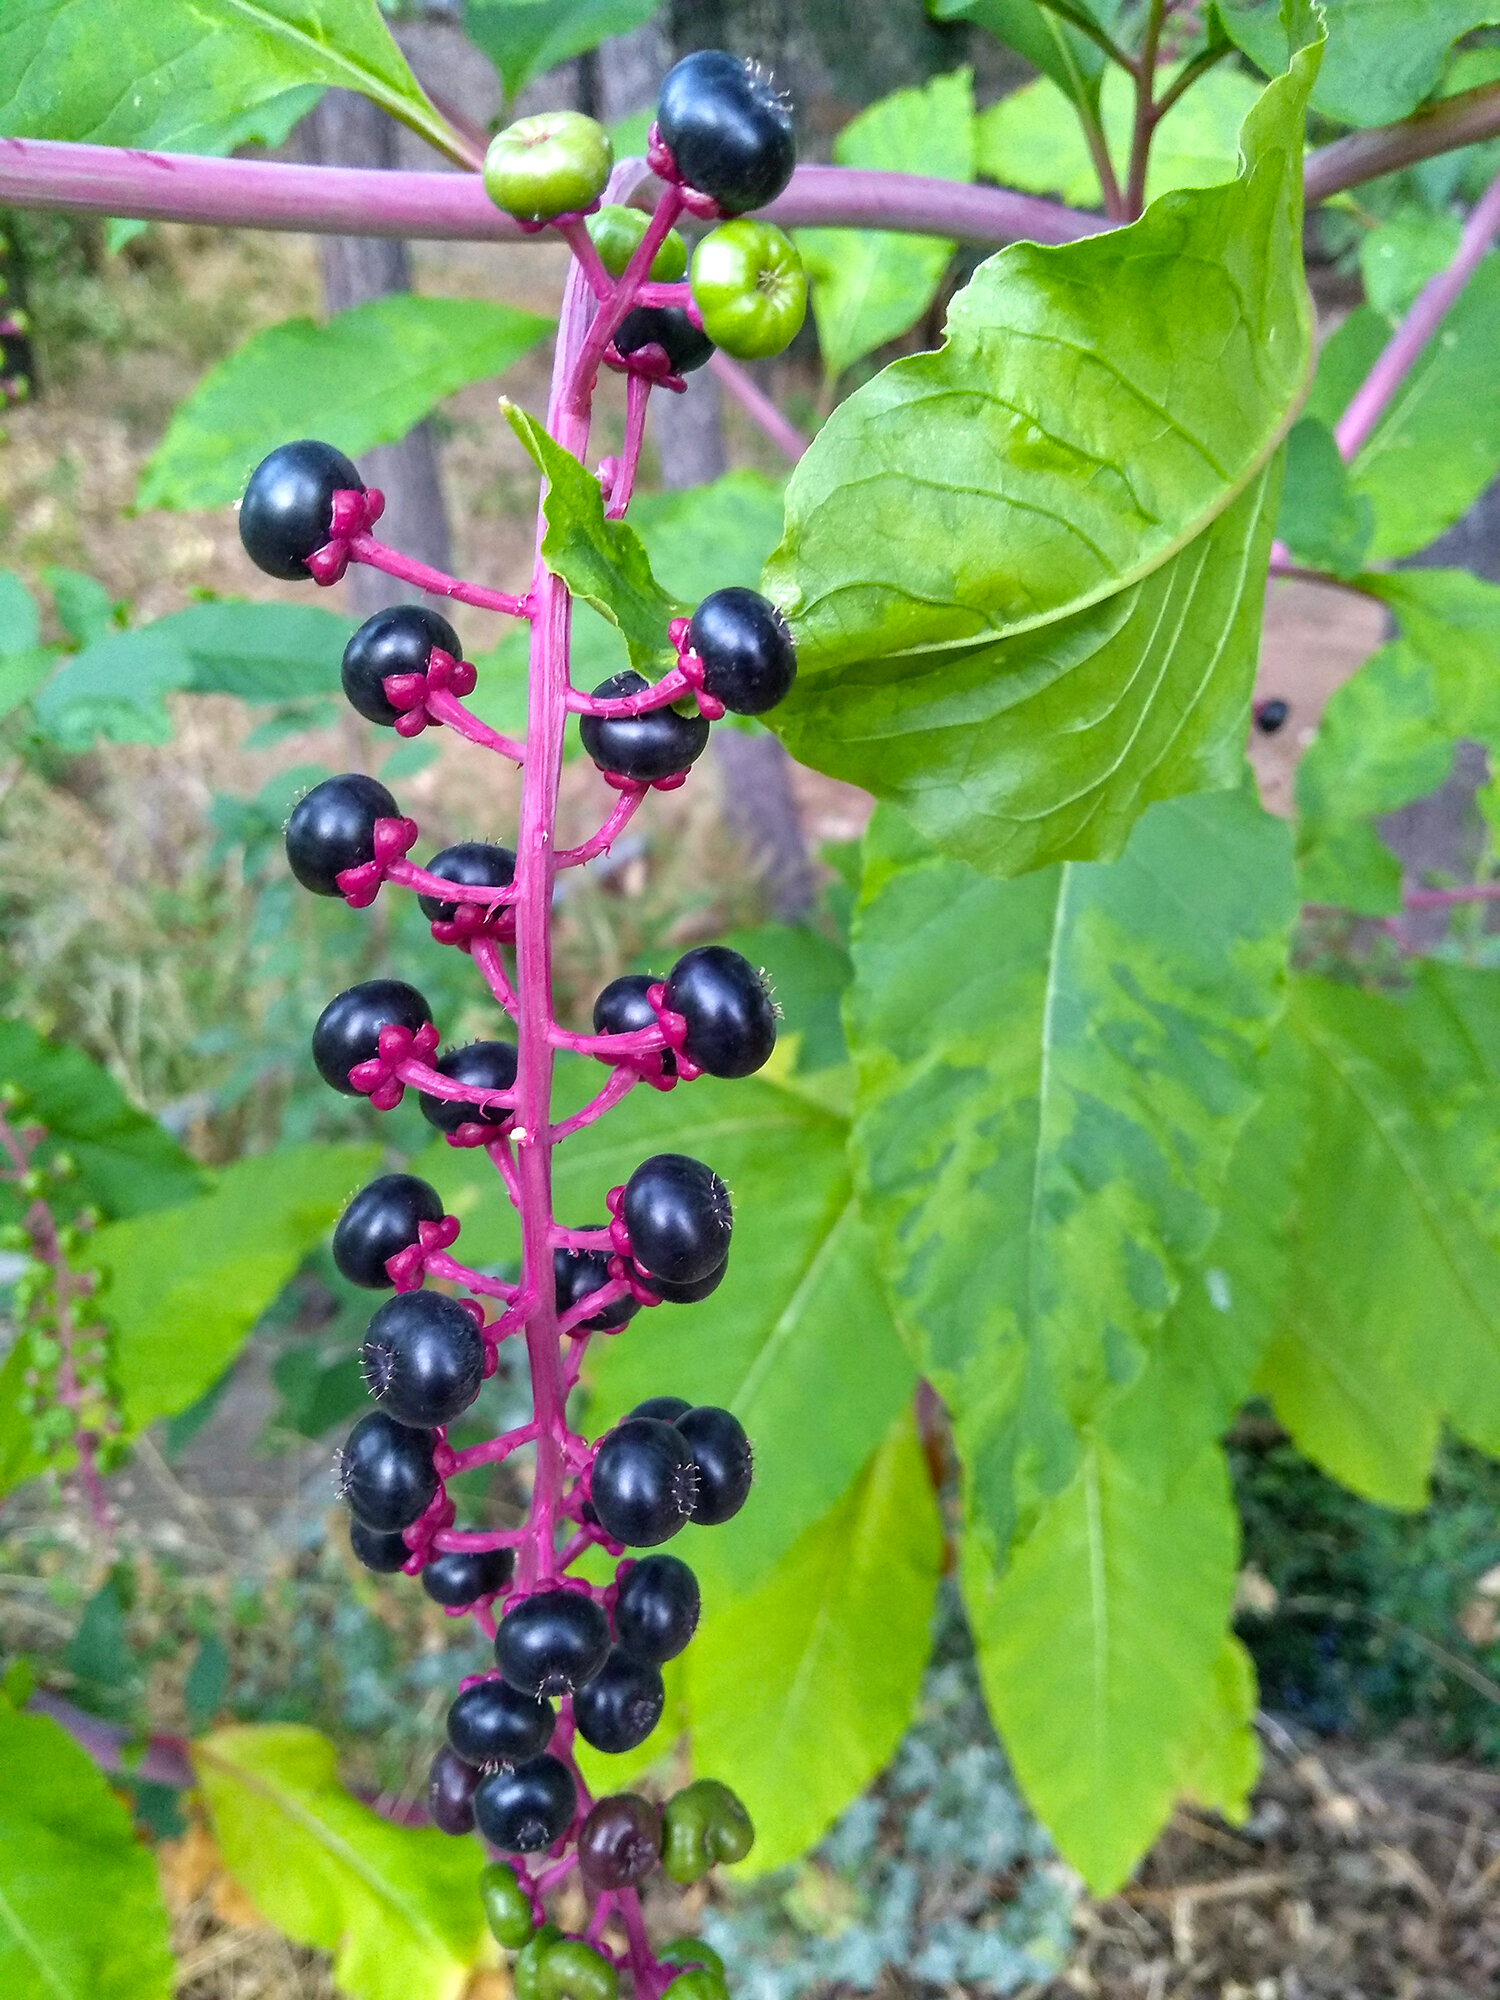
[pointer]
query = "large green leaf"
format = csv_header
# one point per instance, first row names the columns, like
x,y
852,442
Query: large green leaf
x,y
1052,1074
1384,56
1322,520
81,1917
1025,573
524,37
870,285
115,688
190,75
396,1905
799,1690
1074,62
365,378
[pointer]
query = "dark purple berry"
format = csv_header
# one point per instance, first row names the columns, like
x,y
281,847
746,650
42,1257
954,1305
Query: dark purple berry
x,y
643,1485
333,828
524,1809
619,1844
688,1294
471,864
656,1609
398,640
385,1553
642,747
450,1793
685,345
287,512
749,660
347,1032
721,1452
731,1024
478,1066
380,1222
386,1473
666,1409
423,1358
728,130
494,1723
458,1577
622,1008
679,1218
621,1706
552,1642
576,1273
1271,715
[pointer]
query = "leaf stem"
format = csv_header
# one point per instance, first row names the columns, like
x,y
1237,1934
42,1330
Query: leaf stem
x,y
1077,18
1196,67
1145,112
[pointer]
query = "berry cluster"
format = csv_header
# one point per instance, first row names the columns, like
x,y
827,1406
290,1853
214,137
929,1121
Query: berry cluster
x,y
573,1659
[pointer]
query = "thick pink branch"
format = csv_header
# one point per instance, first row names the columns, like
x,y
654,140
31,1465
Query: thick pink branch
x,y
742,386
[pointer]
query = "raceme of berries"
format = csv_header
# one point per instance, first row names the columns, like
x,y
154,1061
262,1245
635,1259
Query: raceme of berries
x,y
574,1659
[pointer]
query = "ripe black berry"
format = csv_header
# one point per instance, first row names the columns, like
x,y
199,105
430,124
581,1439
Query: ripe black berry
x,y
479,1066
622,1008
347,1032
472,864
460,1576
688,1294
656,1609
398,640
450,1793
643,1485
728,130
619,1844
493,1723
748,657
731,1024
1271,715
667,1409
526,1808
552,1643
576,1273
423,1358
333,828
386,1472
287,512
384,1553
642,747
679,1218
621,1706
722,1454
685,345
382,1220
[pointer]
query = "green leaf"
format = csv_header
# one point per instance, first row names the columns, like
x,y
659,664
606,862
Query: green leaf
x,y
603,562
870,285
116,688
363,379
1322,520
1074,62
395,1905
20,623
161,74
1052,1075
85,609
259,652
21,674
1397,258
524,37
705,538
1025,573
832,1643
808,984
81,1917
127,1163
1384,56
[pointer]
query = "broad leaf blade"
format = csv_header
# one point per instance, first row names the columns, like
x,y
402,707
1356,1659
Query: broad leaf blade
x,y
260,652
1074,62
365,378
115,688
1384,56
1322,520
524,37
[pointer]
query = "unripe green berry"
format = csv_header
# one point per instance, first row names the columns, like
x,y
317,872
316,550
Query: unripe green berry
x,y
617,230
703,1825
689,1952
573,1970
700,1983
553,164
527,1968
507,1907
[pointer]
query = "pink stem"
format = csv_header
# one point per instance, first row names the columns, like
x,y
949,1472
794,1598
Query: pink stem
x,y
572,411
558,1872
471,1541
500,1159
375,555
576,234
620,1084
1445,899
587,1308
407,876
493,1450
610,1048
637,396
582,1239
445,707
758,406
601,842
486,955
672,686
644,1970
432,1083
1421,322
441,1265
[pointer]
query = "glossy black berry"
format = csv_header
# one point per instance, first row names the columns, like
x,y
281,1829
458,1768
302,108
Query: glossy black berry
x,y
333,828
749,660
524,1809
423,1358
666,1409
460,1576
576,1273
643,1484
347,1032
656,1609
450,1793
494,1723
731,1024
641,746
729,131
473,864
386,1473
398,640
725,1463
688,1294
621,1706
479,1066
679,1218
383,1552
287,512
619,1844
381,1221
1271,715
622,1008
685,345
552,1642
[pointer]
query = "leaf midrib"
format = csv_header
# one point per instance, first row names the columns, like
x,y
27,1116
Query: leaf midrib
x,y
31,1949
